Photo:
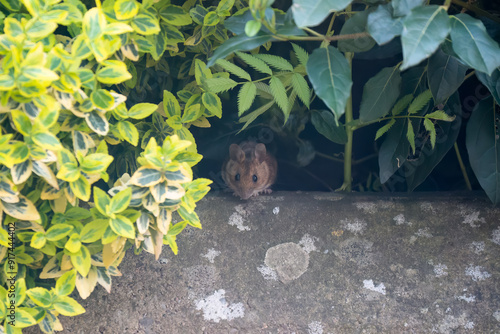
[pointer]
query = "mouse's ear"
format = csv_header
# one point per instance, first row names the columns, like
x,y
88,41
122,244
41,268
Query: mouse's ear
x,y
236,153
260,152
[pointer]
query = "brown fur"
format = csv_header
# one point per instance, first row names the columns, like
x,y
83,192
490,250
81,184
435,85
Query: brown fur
x,y
249,159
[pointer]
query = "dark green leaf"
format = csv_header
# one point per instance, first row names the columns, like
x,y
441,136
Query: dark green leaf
x,y
356,24
238,43
324,122
445,75
309,13
382,26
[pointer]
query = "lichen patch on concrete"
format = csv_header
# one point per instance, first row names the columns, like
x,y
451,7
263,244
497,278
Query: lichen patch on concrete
x,y
477,246
355,226
276,210
211,255
289,260
315,327
496,236
368,284
307,243
477,273
440,270
367,207
268,273
400,220
467,298
471,218
215,307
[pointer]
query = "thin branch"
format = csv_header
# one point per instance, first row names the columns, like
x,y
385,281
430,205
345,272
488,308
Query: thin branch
x,y
476,10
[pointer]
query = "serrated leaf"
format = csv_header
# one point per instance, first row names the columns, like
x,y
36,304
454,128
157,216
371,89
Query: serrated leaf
x,y
440,115
410,135
429,126
301,88
246,96
424,29
234,69
420,102
279,93
255,62
277,62
330,75
301,54
238,43
219,85
384,129
401,104
379,94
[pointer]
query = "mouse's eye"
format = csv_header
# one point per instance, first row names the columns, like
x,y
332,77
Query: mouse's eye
x,y
254,178
237,177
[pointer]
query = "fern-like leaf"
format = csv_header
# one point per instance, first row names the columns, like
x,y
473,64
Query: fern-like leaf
x,y
301,87
410,134
279,93
276,61
219,85
429,126
291,102
384,129
248,119
264,91
401,104
301,54
420,102
440,115
255,62
232,68
246,96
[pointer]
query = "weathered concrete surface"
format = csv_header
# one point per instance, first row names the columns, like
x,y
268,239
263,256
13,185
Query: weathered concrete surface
x,y
344,264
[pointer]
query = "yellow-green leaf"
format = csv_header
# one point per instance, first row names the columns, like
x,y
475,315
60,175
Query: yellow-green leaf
x,y
45,139
102,99
145,177
73,244
40,296
81,188
81,261
68,306
129,132
126,9
120,201
122,226
142,110
58,231
22,210
69,172
170,104
212,103
6,82
145,24
175,15
94,23
66,283
38,240
94,230
39,73
23,319
21,122
101,201
114,72
96,163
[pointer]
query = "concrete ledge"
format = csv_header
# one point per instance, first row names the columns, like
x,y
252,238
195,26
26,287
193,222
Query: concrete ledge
x,y
315,263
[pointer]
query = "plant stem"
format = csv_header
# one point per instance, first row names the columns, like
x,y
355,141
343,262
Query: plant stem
x,y
476,10
347,185
326,38
462,167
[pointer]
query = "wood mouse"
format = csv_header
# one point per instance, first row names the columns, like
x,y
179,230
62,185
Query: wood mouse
x,y
249,170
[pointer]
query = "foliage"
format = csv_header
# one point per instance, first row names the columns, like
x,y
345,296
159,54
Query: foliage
x,y
417,97
70,92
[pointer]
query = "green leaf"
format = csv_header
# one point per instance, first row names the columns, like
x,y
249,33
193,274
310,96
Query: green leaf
x,y
440,115
40,296
38,240
93,231
19,291
122,226
277,62
40,29
21,122
301,54
117,28
330,75
191,217
145,24
384,129
126,9
382,26
219,85
301,88
146,177
379,94
420,102
483,146
97,122
129,132
445,75
394,150
212,103
279,93
170,104
428,158
252,28
429,126
211,19
68,306
66,283
473,45
94,23
81,261
175,15
95,163
191,113
101,201
246,96
73,244
248,119
23,319
410,135
142,110
310,13
233,69
425,28
39,73
492,83
45,139
324,122
404,7
401,105
81,188
102,99
6,82
255,62
355,25
57,232
114,72
238,43
120,201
